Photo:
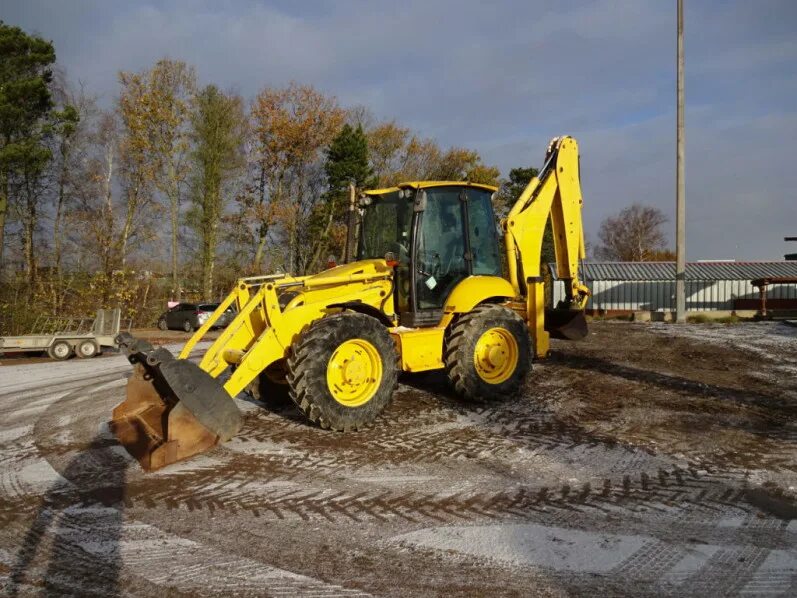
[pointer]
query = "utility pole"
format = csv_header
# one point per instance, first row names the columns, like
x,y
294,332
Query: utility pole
x,y
680,186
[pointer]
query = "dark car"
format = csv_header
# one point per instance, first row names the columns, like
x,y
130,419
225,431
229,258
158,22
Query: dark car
x,y
190,316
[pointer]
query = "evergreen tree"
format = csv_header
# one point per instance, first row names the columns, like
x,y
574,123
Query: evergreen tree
x,y
346,161
25,103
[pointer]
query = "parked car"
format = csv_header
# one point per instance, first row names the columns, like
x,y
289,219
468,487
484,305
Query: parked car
x,y
190,316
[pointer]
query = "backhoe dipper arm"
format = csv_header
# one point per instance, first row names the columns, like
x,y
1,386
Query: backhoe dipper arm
x,y
556,191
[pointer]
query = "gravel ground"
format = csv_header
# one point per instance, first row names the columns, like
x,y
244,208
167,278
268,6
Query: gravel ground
x,y
649,459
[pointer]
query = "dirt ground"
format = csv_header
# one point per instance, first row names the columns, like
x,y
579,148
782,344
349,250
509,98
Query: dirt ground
x,y
649,459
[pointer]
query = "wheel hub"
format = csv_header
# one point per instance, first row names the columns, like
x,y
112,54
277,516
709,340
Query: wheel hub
x,y
496,355
354,372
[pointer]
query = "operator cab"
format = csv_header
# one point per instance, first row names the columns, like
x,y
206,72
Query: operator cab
x,y
435,234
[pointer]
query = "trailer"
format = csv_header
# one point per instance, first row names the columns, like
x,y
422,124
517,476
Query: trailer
x,y
62,337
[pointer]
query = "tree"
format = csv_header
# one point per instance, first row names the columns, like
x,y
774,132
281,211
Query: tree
x,y
397,156
292,127
67,129
461,164
158,105
634,235
510,192
25,104
386,142
346,161
218,132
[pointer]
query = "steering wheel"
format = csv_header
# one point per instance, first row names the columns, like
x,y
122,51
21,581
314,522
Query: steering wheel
x,y
429,263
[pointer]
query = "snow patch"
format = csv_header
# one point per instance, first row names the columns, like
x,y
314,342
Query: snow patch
x,y
532,544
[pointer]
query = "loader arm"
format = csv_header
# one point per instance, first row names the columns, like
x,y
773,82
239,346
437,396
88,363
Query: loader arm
x,y
555,191
175,408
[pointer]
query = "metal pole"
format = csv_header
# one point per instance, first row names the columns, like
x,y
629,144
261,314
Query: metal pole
x,y
351,233
680,187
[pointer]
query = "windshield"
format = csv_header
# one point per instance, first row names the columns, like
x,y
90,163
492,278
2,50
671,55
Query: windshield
x,y
386,227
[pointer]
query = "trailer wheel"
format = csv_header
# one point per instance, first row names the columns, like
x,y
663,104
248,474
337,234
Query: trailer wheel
x,y
87,348
60,350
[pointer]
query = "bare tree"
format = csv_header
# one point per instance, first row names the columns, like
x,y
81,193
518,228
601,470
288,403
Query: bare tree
x,y
634,235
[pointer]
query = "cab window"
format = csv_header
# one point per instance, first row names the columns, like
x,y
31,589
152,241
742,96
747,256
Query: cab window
x,y
483,233
441,247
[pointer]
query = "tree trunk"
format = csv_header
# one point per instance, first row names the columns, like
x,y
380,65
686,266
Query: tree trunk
x,y
265,225
210,218
3,211
108,208
322,243
130,212
28,229
174,201
57,233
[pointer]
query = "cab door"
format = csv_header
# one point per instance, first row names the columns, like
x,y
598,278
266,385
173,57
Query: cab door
x,y
455,236
441,253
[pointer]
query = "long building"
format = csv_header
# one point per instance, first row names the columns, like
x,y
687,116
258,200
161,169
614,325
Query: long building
x,y
710,286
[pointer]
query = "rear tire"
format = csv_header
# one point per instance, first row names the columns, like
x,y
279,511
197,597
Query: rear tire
x,y
271,386
87,349
187,326
343,370
162,325
487,353
60,350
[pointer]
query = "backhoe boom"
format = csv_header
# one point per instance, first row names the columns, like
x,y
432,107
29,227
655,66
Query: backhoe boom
x,y
556,190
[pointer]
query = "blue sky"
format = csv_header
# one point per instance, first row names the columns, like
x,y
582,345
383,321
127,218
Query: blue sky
x,y
504,77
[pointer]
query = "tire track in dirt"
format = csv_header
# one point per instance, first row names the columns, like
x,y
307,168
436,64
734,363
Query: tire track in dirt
x,y
293,476
80,525
318,499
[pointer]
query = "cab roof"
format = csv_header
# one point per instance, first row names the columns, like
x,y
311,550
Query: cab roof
x,y
427,184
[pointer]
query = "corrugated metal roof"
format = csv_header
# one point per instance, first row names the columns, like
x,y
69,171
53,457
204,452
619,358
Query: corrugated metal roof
x,y
694,270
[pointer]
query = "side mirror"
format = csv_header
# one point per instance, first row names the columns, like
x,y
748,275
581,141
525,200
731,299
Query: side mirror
x,y
420,201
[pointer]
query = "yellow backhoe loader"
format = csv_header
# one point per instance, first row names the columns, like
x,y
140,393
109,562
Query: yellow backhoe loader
x,y
427,291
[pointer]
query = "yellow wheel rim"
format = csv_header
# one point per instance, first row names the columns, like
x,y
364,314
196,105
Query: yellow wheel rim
x,y
354,372
496,355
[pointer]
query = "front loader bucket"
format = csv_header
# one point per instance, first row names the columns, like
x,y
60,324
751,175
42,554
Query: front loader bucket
x,y
568,324
173,409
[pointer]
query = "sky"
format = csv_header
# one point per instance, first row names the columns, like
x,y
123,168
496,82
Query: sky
x,y
503,78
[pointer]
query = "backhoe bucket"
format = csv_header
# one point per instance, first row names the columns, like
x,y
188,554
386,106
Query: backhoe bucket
x,y
568,324
173,409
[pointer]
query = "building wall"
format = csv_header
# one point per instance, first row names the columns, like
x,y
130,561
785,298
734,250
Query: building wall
x,y
654,295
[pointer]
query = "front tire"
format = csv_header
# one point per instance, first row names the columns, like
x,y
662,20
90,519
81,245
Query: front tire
x,y
487,353
343,371
162,325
